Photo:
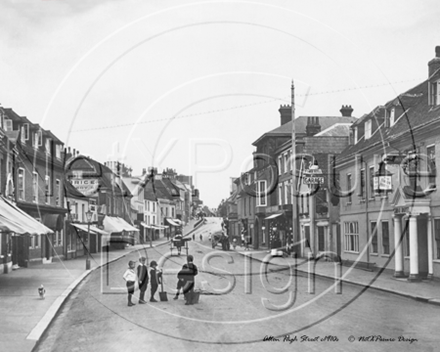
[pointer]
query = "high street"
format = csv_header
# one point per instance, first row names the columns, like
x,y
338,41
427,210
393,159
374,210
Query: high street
x,y
237,318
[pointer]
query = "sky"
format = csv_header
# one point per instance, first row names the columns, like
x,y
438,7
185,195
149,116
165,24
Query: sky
x,y
190,85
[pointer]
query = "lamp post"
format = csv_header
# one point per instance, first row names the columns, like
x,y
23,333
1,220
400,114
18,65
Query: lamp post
x,y
89,215
152,172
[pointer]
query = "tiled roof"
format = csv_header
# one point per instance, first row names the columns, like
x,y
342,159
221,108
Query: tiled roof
x,y
301,123
338,130
417,114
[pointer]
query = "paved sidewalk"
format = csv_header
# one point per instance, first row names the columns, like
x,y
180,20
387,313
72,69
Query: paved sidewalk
x,y
24,315
426,291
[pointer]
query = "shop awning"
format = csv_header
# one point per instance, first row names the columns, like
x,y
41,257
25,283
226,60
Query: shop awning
x,y
16,220
156,227
93,229
54,221
173,222
113,224
273,216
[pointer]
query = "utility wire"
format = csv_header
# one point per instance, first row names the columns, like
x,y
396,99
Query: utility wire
x,y
239,106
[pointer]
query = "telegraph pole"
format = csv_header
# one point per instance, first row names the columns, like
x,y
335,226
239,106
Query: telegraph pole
x,y
295,230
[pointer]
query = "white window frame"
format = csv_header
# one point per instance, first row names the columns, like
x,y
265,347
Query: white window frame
x,y
280,193
38,139
351,236
9,126
350,196
377,237
48,144
35,187
21,191
58,195
261,193
58,151
153,220
24,132
286,192
47,188
355,130
368,125
392,116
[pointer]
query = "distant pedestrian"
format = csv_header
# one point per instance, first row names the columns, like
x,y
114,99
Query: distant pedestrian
x,y
242,239
156,278
142,274
234,243
246,243
130,279
201,237
194,237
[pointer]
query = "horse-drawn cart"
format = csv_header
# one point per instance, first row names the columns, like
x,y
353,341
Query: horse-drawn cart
x,y
178,243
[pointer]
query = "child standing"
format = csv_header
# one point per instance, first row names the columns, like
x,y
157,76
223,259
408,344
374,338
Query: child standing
x,y
234,243
181,280
155,279
130,278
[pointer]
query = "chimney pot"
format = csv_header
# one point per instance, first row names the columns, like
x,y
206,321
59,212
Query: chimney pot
x,y
285,114
437,51
346,110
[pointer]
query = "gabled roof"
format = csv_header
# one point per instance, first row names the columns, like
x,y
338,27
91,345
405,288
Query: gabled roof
x,y
417,113
301,123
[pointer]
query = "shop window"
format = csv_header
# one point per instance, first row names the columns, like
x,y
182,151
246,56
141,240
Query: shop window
x,y
373,228
385,237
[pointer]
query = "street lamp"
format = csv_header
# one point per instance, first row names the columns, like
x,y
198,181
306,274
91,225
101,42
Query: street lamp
x,y
152,172
89,215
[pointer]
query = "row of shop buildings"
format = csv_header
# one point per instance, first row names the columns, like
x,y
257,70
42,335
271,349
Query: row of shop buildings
x,y
56,204
365,188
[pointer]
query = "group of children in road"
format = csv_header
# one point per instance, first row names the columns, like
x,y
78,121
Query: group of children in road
x,y
185,283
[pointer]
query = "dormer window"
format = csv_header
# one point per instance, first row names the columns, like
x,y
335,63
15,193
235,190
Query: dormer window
x,y
8,125
434,95
392,116
355,135
24,132
58,151
368,129
48,146
38,139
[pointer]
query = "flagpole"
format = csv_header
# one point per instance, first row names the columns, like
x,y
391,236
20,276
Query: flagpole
x,y
295,230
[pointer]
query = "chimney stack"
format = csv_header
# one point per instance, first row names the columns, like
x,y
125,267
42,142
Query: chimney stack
x,y
434,64
313,127
285,114
346,110
144,171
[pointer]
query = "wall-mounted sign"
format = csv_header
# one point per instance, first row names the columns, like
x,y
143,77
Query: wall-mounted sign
x,y
86,186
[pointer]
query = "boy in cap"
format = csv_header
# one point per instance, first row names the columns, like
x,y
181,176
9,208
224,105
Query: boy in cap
x,y
130,278
142,274
155,277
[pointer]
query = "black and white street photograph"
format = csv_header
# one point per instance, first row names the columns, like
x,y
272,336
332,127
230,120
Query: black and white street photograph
x,y
219,175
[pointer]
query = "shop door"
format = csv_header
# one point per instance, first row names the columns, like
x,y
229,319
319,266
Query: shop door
x,y
20,250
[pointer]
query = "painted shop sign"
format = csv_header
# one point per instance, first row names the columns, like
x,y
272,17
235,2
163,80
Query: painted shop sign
x,y
87,186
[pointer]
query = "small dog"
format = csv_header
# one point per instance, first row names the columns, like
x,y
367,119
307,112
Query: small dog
x,y
42,291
